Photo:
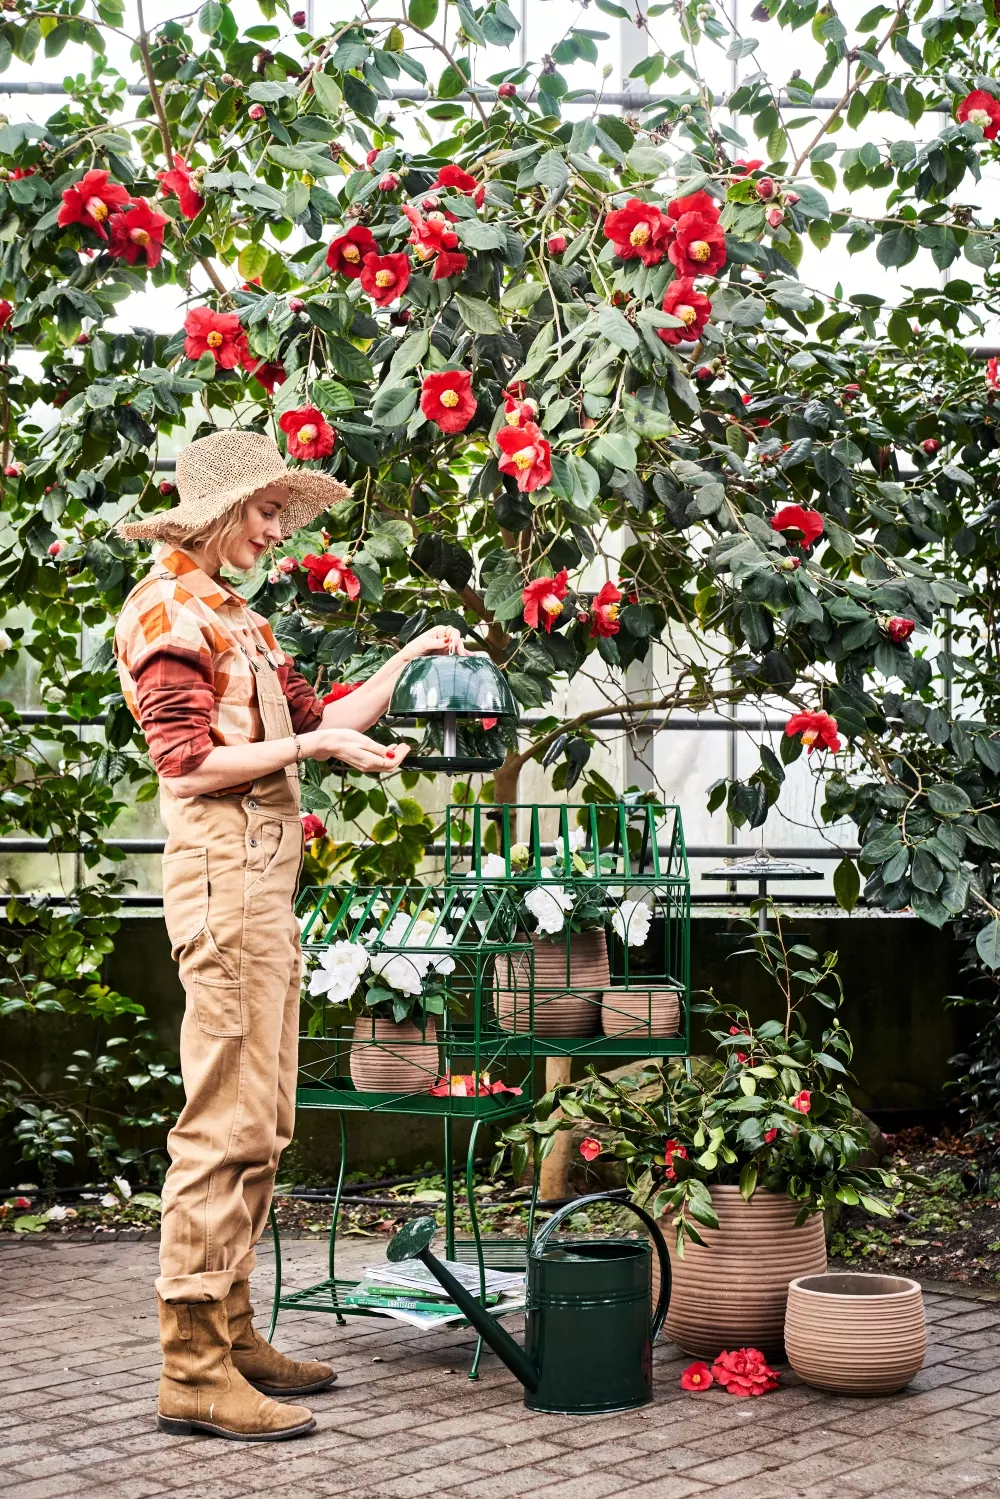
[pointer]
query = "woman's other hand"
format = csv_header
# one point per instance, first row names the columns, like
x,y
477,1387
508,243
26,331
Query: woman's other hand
x,y
440,641
354,749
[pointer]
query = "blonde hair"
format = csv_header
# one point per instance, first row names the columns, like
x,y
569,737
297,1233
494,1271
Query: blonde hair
x,y
219,537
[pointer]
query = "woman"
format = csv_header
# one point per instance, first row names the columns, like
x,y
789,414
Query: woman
x,y
227,721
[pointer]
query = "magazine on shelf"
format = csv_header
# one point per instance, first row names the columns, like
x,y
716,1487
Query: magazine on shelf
x,y
409,1293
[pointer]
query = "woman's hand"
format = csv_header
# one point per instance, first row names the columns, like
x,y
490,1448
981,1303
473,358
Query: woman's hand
x,y
354,749
441,640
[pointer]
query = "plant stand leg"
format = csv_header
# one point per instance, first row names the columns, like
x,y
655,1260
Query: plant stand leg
x,y
276,1299
334,1221
470,1193
449,1192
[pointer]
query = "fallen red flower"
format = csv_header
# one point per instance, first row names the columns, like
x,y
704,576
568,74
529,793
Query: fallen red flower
x,y
744,1372
466,1085
697,1377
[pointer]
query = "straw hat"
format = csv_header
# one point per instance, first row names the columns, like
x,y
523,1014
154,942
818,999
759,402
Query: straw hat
x,y
217,472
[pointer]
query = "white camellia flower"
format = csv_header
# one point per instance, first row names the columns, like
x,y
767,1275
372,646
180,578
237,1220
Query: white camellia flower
x,y
123,1187
577,838
548,904
406,971
631,920
56,1214
5,642
339,971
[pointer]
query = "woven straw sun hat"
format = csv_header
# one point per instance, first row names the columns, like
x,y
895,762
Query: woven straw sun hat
x,y
219,471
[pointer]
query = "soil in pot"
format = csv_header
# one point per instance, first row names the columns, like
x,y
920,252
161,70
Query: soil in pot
x,y
393,1057
856,1334
638,1012
558,1012
731,1292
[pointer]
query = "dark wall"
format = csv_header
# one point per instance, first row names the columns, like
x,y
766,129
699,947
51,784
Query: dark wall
x,y
896,972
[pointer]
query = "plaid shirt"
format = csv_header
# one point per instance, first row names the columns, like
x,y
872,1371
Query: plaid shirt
x,y
185,678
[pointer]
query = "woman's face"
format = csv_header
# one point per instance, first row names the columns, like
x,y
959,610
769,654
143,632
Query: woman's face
x,y
262,527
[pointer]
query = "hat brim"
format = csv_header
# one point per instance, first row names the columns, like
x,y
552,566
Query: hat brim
x,y
309,494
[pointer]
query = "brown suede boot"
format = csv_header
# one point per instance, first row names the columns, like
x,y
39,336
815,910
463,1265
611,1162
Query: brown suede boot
x,y
201,1391
263,1366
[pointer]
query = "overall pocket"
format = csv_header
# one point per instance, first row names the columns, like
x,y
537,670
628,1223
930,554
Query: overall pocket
x,y
185,895
210,980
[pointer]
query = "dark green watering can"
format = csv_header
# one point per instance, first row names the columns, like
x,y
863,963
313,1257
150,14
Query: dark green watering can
x,y
588,1334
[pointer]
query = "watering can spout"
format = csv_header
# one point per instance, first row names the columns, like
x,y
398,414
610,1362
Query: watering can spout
x,y
413,1243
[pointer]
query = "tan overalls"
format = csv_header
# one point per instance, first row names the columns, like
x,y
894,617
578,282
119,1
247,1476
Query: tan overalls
x,y
230,869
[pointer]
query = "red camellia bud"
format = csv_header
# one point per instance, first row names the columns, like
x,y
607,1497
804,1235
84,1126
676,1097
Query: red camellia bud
x,y
792,199
900,628
400,317
83,338
930,446
295,304
555,244
704,372
850,392
298,18
369,159
507,91
55,549
288,565
789,564
256,111
766,188
582,617
13,471
388,182
430,203
166,487
775,217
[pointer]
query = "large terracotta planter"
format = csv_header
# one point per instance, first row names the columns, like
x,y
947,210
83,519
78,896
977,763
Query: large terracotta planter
x,y
731,1293
557,1011
393,1057
856,1334
638,1012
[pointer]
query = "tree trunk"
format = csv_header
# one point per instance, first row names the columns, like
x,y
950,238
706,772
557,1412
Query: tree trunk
x,y
554,1178
505,780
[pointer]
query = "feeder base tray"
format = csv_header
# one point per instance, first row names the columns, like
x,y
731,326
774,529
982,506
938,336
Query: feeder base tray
x,y
451,762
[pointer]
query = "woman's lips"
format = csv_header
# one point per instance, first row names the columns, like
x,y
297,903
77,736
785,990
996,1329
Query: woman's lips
x,y
258,546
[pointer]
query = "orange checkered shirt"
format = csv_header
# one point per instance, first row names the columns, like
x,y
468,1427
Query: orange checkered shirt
x,y
185,678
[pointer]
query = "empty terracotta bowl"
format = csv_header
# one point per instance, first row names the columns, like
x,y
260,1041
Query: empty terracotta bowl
x,y
856,1334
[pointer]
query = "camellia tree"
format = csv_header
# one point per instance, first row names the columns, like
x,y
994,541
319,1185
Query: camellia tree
x,y
533,335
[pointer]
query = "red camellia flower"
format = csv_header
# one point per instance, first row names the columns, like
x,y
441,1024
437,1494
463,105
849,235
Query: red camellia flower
x,y
543,600
339,690
699,202
385,277
328,574
604,620
980,108
816,729
346,254
699,245
797,518
682,299
90,201
770,1135
269,375
312,827
899,628
671,1149
744,1372
697,1377
309,433
802,1102
743,168
6,313
527,455
137,232
217,333
489,723
639,231
590,1148
179,181
463,182
517,412
446,398
993,372
433,236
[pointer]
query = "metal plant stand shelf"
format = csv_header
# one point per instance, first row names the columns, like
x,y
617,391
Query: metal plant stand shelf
x,y
762,868
608,859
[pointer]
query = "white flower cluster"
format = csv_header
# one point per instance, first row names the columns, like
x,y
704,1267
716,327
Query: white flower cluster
x,y
407,971
631,921
339,972
577,839
548,905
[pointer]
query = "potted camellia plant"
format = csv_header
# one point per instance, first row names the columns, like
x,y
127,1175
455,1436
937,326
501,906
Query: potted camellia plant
x,y
390,984
740,1159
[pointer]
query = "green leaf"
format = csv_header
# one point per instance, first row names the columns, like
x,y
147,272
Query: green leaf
x,y
422,13
948,800
846,884
748,1180
988,944
394,404
477,315
617,329
616,448
210,17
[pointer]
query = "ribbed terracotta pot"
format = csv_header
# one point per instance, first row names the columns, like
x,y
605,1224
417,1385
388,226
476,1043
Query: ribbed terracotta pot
x,y
731,1293
557,1013
856,1334
404,1059
638,1012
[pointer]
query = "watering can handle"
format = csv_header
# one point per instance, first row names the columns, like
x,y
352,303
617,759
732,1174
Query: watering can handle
x,y
663,1300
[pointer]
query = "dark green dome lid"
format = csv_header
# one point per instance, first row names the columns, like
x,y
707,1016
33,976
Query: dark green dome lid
x,y
468,686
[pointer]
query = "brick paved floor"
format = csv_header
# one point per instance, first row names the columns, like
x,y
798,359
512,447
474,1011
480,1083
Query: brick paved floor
x,y
78,1372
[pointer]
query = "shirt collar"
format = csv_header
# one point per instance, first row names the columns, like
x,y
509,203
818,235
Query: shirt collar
x,y
212,591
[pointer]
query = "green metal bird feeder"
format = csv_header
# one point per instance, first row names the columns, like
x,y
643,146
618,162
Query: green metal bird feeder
x,y
447,690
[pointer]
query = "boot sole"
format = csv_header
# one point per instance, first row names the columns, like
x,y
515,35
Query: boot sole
x,y
281,1391
175,1428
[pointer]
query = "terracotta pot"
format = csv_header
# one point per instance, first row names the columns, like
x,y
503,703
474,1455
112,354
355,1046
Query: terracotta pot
x,y
403,1059
641,1012
856,1334
731,1293
557,1012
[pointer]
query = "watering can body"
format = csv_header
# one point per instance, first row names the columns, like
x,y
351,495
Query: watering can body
x,y
589,1327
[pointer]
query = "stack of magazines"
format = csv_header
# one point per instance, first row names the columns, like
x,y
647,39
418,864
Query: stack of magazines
x,y
409,1293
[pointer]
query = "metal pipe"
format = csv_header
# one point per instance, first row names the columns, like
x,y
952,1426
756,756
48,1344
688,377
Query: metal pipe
x,y
436,850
